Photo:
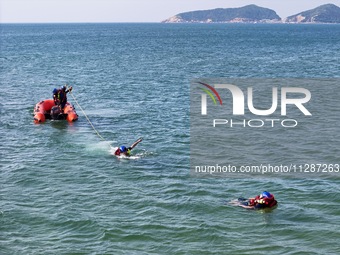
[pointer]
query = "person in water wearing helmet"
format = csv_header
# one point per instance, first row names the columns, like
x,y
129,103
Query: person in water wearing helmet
x,y
126,151
262,201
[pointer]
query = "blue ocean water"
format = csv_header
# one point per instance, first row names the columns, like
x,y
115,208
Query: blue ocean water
x,y
62,191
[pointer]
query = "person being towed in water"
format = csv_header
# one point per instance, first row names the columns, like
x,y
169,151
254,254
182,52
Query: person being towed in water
x,y
262,201
126,151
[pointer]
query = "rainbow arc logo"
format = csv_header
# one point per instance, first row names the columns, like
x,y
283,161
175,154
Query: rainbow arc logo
x,y
213,90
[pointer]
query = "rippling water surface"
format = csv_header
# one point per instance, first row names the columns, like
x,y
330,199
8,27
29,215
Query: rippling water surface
x,y
61,190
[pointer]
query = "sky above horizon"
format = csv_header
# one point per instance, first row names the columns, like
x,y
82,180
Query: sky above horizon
x,y
50,11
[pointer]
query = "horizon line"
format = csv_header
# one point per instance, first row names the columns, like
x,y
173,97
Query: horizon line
x,y
160,22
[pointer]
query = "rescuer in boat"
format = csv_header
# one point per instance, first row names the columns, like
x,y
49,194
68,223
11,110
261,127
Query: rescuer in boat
x,y
62,96
55,96
262,201
59,96
60,100
122,150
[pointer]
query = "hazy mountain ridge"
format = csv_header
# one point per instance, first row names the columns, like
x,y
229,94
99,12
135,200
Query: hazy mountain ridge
x,y
249,13
328,13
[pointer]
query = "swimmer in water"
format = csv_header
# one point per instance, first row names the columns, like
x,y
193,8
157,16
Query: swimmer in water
x,y
262,201
126,151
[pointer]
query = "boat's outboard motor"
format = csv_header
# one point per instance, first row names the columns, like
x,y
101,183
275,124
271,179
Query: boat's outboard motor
x,y
56,113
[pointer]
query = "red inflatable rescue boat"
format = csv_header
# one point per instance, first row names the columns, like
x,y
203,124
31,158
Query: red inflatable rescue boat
x,y
46,109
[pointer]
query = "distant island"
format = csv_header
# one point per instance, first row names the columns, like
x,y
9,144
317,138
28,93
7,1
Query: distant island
x,y
248,14
328,13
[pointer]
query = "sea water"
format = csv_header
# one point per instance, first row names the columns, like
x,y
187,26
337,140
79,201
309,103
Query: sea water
x,y
63,192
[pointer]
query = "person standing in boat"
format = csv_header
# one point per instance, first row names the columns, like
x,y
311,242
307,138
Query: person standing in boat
x,y
61,98
55,96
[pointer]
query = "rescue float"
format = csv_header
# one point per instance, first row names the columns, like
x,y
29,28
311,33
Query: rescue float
x,y
47,109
